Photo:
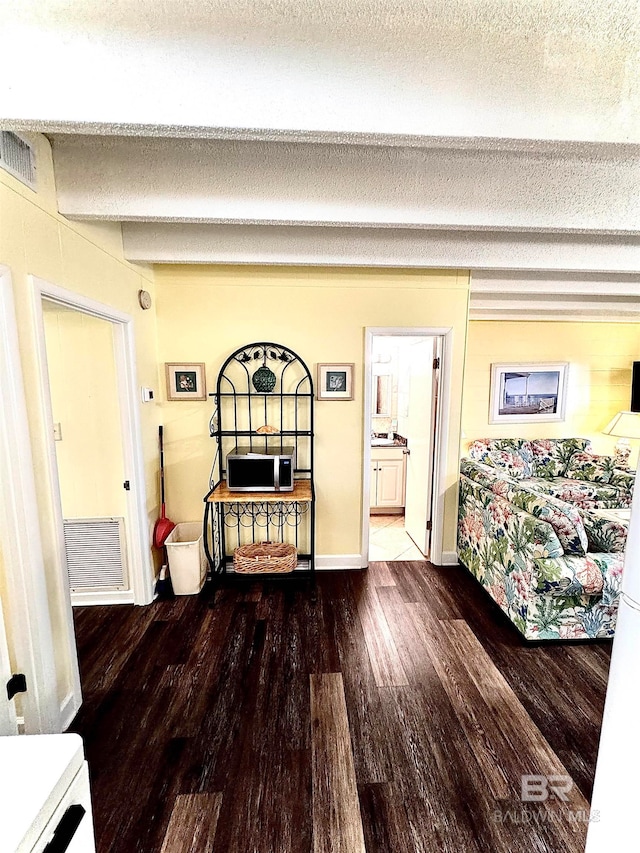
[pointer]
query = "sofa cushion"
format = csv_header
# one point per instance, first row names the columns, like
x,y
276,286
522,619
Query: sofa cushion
x,y
576,576
516,464
480,448
551,455
581,493
590,467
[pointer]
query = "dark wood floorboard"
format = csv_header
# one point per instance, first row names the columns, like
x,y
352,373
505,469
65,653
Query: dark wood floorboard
x,y
223,729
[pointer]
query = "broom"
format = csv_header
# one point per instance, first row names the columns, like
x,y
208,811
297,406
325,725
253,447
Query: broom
x,y
164,587
163,527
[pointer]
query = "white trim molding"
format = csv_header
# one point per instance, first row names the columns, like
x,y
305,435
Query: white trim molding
x,y
449,558
338,562
28,622
118,596
68,710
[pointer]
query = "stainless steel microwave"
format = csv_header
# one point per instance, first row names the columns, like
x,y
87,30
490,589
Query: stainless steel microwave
x,y
266,471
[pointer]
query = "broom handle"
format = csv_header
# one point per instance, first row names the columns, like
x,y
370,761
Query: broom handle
x,y
161,433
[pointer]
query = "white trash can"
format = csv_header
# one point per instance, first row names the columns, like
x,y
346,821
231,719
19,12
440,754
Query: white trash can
x,y
187,560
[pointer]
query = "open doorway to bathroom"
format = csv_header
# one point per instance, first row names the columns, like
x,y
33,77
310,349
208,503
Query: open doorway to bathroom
x,y
403,373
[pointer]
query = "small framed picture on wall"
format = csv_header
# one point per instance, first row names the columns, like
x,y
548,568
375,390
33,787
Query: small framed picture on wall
x,y
186,381
335,382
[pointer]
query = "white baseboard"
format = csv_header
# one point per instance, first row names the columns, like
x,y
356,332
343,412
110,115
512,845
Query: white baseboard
x,y
338,562
68,709
112,596
449,558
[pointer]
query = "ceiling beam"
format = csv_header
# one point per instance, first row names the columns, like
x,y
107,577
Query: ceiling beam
x,y
484,250
234,182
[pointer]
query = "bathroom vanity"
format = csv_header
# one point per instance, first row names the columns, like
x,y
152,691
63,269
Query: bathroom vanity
x,y
388,478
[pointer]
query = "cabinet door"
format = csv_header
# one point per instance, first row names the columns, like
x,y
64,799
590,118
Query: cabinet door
x,y
391,482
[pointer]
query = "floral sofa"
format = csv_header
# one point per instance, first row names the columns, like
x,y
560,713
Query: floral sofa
x,y
533,529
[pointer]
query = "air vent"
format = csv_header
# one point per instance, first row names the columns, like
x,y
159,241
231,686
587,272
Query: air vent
x,y
18,158
95,554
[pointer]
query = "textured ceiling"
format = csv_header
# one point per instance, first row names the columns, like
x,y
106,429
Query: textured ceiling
x,y
466,133
527,69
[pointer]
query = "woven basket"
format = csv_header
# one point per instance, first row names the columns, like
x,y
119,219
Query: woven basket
x,y
264,557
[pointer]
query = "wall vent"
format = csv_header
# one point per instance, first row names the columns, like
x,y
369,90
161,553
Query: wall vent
x,y
96,558
18,158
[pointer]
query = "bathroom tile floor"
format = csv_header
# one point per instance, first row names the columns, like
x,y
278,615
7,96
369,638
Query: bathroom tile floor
x,y
388,540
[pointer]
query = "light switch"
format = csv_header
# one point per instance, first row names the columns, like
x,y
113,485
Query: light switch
x,y
147,395
57,432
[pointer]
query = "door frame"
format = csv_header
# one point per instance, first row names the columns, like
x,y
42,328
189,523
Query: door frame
x,y
138,536
441,437
27,605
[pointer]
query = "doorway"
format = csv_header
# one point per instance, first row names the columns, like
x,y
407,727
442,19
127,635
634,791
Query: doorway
x,y
406,373
87,429
132,539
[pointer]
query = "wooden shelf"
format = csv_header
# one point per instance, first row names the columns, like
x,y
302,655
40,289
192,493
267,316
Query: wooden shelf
x,y
302,493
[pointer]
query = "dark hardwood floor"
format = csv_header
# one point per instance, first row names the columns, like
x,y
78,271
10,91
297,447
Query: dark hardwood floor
x,y
397,714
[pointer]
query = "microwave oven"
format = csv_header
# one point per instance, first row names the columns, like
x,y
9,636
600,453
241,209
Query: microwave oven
x,y
270,470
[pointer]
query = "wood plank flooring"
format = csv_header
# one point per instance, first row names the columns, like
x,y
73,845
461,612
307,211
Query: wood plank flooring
x,y
396,714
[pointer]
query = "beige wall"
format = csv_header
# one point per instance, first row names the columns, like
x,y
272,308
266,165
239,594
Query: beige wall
x,y
600,356
84,399
205,313
87,259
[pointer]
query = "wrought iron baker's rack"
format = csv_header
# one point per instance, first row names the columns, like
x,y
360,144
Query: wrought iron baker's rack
x,y
264,399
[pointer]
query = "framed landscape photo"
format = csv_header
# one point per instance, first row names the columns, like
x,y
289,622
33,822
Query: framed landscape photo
x,y
335,382
186,381
527,393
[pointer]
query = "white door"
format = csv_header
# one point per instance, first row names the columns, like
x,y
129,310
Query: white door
x,y
421,420
82,370
8,722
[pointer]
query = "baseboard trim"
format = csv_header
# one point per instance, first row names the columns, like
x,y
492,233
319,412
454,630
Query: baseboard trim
x,y
449,558
112,596
338,562
68,709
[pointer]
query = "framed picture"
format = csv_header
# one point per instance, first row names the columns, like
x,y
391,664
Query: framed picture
x,y
335,382
526,393
186,381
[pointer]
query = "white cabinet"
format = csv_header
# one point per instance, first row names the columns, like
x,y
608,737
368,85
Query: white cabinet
x,y
387,477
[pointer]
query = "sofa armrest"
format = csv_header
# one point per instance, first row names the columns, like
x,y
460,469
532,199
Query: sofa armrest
x,y
624,481
563,517
482,474
605,534
501,534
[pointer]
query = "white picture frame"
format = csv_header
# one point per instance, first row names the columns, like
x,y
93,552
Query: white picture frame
x,y
528,392
186,381
335,381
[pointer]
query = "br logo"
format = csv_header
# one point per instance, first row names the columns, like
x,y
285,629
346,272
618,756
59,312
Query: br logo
x,y
538,789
